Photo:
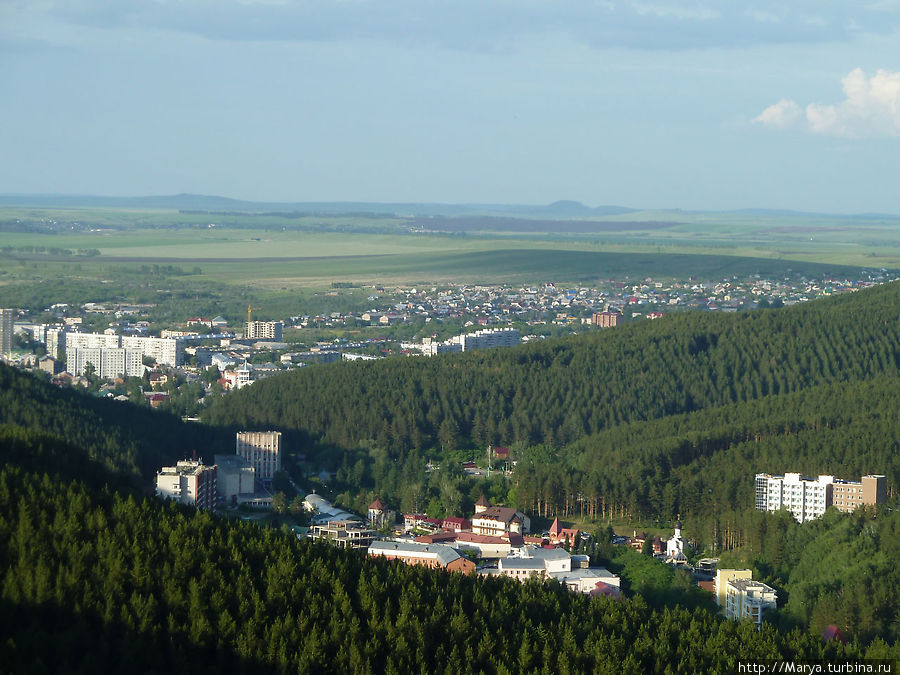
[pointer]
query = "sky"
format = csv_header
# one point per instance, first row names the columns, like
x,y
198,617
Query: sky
x,y
692,104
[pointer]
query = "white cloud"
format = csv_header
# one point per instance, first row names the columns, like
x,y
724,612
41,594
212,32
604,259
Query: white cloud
x,y
871,107
781,115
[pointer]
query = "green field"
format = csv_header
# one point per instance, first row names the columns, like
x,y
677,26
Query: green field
x,y
293,251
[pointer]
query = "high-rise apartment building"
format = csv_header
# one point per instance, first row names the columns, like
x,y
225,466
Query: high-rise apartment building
x,y
262,449
7,317
108,362
263,330
165,351
807,498
188,482
606,319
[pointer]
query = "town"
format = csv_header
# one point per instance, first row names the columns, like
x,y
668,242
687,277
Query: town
x,y
103,343
496,540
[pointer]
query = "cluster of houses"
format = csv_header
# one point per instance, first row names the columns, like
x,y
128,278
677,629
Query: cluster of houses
x,y
496,536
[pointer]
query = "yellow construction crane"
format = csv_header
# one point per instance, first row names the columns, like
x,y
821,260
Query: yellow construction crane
x,y
249,310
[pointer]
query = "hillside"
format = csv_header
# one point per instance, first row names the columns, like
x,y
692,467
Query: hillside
x,y
560,391
111,582
125,438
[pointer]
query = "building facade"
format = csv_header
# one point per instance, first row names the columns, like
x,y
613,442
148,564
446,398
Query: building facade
x,y
850,495
808,498
108,362
263,330
606,319
748,599
7,320
188,482
429,555
262,449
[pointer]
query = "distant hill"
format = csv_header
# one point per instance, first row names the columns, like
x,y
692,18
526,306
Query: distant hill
x,y
562,209
191,202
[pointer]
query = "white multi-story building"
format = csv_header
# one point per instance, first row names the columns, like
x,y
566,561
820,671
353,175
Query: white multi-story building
x,y
262,449
748,599
805,498
7,318
108,362
55,337
263,330
487,339
165,351
188,482
89,341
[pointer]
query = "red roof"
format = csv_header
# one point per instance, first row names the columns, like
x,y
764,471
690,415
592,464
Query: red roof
x,y
833,633
501,453
555,527
482,501
377,505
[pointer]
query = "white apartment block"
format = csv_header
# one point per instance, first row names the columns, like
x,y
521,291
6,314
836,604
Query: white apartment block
x,y
262,449
108,362
263,330
748,599
487,339
165,351
55,340
188,482
807,499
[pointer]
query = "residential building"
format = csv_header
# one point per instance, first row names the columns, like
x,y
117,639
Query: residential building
x,y
165,351
55,341
262,449
561,535
498,520
107,362
807,498
7,327
379,515
723,576
343,534
606,319
188,482
487,339
429,555
263,330
748,599
849,495
235,478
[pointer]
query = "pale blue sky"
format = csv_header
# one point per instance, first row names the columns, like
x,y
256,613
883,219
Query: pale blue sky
x,y
695,105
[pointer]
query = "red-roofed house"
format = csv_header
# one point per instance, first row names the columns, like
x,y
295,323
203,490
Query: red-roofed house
x,y
379,516
454,524
498,520
560,534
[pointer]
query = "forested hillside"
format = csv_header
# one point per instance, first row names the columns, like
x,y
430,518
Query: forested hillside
x,y
94,580
557,392
698,462
123,437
